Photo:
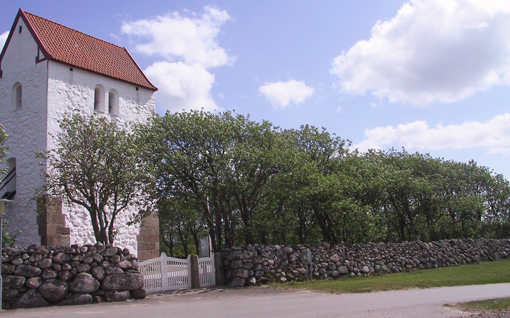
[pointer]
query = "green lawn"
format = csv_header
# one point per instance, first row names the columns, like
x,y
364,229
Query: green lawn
x,y
485,305
473,274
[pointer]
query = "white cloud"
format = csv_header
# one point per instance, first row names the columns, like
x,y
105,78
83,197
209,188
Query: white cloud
x,y
493,134
281,94
176,37
182,86
3,38
188,46
432,50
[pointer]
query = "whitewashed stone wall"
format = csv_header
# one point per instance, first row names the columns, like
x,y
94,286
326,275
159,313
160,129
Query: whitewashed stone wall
x,y
26,127
69,91
50,90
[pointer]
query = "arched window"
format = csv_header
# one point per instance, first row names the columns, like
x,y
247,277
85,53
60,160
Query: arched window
x,y
113,102
17,95
99,98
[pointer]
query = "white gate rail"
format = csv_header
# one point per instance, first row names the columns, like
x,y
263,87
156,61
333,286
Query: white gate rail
x,y
166,273
206,272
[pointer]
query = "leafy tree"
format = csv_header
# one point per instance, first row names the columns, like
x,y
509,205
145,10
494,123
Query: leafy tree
x,y
250,182
223,163
180,224
97,165
7,239
3,148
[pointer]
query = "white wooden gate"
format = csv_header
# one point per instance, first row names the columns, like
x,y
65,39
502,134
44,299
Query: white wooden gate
x,y
166,273
206,271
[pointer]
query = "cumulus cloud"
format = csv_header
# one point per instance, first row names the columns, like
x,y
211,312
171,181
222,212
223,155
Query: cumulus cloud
x,y
282,94
432,50
3,38
183,86
188,47
493,134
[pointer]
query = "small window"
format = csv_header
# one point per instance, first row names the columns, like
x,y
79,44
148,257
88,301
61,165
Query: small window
x,y
17,95
113,102
98,98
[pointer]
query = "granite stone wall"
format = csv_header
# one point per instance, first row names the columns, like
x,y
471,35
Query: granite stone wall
x,y
40,276
256,264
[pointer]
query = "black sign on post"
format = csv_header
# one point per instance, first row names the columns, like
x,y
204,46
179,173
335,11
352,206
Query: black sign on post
x,y
306,257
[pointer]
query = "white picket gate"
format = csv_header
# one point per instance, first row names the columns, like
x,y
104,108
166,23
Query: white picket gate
x,y
166,273
206,272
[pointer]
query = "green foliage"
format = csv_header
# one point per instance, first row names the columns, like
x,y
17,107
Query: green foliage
x,y
247,182
8,240
3,148
98,166
220,165
180,226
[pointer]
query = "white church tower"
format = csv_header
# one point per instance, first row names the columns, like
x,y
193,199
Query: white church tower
x,y
48,70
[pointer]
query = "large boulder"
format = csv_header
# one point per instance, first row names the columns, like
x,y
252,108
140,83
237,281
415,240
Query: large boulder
x,y
84,283
243,273
27,271
9,294
110,251
53,290
125,264
30,299
77,299
114,296
98,273
61,258
34,282
45,263
14,282
238,282
128,281
138,293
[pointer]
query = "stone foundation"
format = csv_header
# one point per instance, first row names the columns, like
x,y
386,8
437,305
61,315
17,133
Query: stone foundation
x,y
52,223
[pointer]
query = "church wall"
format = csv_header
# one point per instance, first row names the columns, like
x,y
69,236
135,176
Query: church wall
x,y
26,127
74,90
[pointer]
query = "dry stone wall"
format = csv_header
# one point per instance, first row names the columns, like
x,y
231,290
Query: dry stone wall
x,y
39,276
256,264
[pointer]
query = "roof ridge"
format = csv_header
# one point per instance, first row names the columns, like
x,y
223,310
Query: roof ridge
x,y
88,35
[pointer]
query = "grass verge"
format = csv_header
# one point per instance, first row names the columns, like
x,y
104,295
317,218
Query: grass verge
x,y
472,274
484,305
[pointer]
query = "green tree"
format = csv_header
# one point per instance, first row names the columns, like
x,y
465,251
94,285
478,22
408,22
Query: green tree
x,y
180,226
98,166
223,163
7,239
3,148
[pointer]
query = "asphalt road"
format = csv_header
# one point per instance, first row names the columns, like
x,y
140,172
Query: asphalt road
x,y
266,302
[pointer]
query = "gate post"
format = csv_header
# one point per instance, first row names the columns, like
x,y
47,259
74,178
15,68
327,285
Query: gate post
x,y
195,272
164,271
218,268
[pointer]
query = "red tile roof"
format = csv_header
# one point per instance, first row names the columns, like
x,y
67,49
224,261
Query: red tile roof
x,y
63,44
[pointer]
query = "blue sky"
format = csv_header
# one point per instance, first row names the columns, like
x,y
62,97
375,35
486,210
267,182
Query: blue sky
x,y
430,75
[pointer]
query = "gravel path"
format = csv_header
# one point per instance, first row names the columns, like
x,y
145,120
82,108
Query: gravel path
x,y
488,314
